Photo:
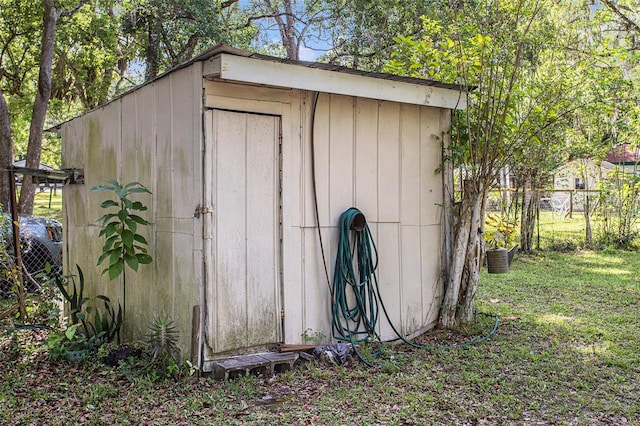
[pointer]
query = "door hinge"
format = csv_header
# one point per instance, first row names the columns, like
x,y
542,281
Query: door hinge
x,y
282,314
201,210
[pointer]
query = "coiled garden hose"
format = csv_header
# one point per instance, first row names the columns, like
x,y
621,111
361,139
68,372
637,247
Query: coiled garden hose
x,y
356,294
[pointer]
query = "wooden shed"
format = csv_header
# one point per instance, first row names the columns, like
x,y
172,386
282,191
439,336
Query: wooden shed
x,y
234,146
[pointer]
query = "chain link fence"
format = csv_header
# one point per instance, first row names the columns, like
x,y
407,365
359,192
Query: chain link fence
x,y
40,252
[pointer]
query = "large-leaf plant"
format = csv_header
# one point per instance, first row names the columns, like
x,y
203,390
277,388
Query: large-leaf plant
x,y
123,244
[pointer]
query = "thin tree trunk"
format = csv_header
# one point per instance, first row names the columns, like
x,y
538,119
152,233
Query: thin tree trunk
x,y
458,252
6,153
464,275
528,218
475,252
40,105
287,31
41,102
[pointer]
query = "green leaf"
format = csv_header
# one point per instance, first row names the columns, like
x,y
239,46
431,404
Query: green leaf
x,y
114,184
138,206
109,203
132,261
115,270
127,238
71,331
107,217
133,226
120,193
129,250
138,219
109,242
110,229
123,214
144,259
102,257
114,256
139,238
139,190
99,188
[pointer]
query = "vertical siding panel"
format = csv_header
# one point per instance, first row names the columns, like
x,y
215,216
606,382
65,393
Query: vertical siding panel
x,y
74,155
103,154
316,297
184,172
431,158
294,255
296,171
231,256
297,158
432,287
75,220
210,242
104,160
321,154
340,156
130,141
262,235
196,282
410,169
389,275
184,166
411,262
135,292
143,150
366,158
389,162
164,153
411,273
162,297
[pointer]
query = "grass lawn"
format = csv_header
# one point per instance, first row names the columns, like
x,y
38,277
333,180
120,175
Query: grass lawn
x,y
566,352
48,204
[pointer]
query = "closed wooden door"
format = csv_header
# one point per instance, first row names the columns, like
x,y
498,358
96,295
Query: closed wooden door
x,y
242,230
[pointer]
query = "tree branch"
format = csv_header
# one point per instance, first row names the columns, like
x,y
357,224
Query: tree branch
x,y
614,8
66,13
228,3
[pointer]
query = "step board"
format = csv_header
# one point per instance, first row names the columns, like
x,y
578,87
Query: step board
x,y
266,364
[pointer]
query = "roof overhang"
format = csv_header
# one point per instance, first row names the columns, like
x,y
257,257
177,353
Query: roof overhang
x,y
338,80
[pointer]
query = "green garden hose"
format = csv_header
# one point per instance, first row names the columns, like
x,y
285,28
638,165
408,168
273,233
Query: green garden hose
x,y
356,293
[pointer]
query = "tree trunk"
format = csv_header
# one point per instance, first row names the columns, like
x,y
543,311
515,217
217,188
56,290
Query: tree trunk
x,y
40,105
458,306
6,153
287,31
475,250
528,219
152,51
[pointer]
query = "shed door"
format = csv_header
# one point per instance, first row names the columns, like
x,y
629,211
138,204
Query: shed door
x,y
242,185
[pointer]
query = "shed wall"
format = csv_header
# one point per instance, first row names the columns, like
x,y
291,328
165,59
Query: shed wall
x,y
378,156
152,135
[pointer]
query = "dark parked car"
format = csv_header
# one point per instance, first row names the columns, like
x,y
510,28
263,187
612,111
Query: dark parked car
x,y
41,243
